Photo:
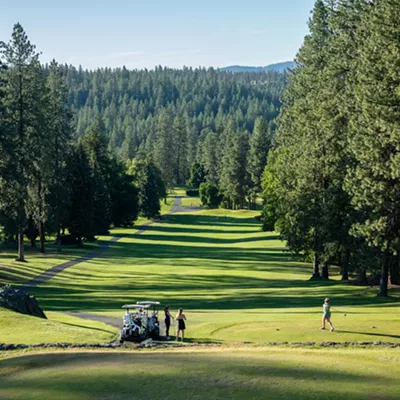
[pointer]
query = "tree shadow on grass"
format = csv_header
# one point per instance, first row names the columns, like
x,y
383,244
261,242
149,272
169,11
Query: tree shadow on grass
x,y
201,375
369,334
172,229
138,249
216,292
200,239
201,219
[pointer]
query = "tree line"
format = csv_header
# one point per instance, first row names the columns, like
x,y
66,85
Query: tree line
x,y
332,183
52,182
82,151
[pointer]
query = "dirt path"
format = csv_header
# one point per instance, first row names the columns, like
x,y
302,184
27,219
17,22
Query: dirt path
x,y
56,269
52,272
113,321
116,322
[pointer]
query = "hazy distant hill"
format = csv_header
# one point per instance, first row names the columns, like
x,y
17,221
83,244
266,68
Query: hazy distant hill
x,y
280,67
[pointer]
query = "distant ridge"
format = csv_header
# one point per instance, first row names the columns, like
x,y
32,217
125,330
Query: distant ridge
x,y
279,67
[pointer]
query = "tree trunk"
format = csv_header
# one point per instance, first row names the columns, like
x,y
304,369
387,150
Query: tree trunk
x,y
383,289
33,241
362,277
395,271
325,271
316,274
345,265
42,236
58,240
21,254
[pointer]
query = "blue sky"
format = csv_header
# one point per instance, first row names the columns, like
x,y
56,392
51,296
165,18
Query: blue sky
x,y
174,33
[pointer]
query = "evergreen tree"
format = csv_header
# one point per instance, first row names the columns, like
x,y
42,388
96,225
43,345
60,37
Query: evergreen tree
x,y
23,114
150,186
165,149
181,150
374,180
234,177
80,222
123,195
95,145
260,143
209,195
302,172
209,158
58,145
196,176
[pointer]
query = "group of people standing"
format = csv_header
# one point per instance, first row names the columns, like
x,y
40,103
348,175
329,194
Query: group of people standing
x,y
180,318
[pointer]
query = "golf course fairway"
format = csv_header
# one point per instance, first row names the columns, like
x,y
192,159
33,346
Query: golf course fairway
x,y
239,289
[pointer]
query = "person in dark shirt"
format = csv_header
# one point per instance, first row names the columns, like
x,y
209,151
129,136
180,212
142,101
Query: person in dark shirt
x,y
167,320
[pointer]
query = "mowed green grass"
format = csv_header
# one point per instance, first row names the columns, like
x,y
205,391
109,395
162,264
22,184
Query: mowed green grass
x,y
19,328
191,202
215,373
235,283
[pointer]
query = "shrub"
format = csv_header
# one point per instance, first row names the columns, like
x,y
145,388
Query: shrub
x,y
209,195
192,193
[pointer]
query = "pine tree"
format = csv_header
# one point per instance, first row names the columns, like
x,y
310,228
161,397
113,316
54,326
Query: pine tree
x,y
151,189
260,143
374,181
181,149
234,178
58,144
301,176
95,145
209,158
81,219
165,149
22,102
197,176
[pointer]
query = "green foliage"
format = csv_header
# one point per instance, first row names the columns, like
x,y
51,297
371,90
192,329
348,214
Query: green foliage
x,y
196,176
209,195
165,149
260,142
23,101
234,179
151,187
123,195
270,194
331,187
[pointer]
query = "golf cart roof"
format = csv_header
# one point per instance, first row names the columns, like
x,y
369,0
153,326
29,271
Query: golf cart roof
x,y
128,306
150,303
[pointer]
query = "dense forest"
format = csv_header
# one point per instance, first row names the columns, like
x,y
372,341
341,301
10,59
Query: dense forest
x,y
82,151
174,115
332,183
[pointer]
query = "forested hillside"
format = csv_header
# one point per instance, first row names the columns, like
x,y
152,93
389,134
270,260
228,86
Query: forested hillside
x,y
130,103
278,67
86,150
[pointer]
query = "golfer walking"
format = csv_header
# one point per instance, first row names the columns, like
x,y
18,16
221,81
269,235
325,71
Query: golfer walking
x,y
326,314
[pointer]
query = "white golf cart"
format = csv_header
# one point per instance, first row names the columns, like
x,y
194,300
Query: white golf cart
x,y
138,325
153,325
